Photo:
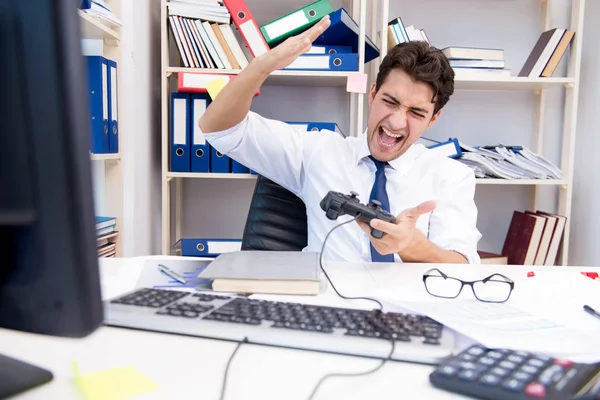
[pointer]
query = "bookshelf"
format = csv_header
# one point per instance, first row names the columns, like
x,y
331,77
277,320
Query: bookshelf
x,y
539,87
372,17
172,182
99,38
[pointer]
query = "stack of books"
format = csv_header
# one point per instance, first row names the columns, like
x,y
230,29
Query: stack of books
x,y
547,53
476,63
106,235
100,10
225,35
398,33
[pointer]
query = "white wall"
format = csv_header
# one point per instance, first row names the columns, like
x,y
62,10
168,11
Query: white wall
x,y
586,205
218,208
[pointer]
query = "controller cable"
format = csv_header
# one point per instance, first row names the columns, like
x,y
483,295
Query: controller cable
x,y
374,322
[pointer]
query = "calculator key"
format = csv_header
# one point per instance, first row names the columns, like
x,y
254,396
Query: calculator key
x,y
522,376
490,380
467,357
514,385
476,351
448,370
536,362
530,369
469,375
487,361
535,390
563,363
515,358
495,354
501,372
507,364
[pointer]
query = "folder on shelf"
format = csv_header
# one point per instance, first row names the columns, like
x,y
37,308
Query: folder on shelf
x,y
343,30
295,22
195,82
219,163
450,148
328,49
180,132
247,26
200,149
113,124
238,168
202,247
98,90
325,62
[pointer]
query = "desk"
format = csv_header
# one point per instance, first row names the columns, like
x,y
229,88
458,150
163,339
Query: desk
x,y
192,368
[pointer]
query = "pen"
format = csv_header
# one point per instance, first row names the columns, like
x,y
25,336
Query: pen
x,y
165,270
591,311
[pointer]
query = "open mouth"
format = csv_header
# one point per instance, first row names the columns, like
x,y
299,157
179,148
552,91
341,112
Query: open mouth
x,y
387,140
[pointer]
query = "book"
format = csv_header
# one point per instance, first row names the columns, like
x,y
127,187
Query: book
x,y
271,272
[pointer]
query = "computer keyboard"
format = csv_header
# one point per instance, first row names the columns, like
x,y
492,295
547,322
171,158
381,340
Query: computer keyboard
x,y
347,331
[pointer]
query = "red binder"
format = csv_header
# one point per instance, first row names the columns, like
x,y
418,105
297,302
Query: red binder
x,y
195,82
247,26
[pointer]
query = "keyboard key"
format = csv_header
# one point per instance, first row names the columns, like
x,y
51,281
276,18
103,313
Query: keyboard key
x,y
535,390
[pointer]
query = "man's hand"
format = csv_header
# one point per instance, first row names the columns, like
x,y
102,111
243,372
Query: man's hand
x,y
397,236
293,47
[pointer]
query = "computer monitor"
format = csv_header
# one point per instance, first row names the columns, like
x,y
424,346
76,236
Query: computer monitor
x,y
49,279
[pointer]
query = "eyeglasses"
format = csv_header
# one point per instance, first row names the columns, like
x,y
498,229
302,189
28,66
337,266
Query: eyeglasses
x,y
496,288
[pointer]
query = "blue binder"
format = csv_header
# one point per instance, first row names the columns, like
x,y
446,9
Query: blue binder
x,y
450,148
200,148
325,62
98,91
180,132
113,105
208,247
238,168
219,163
343,30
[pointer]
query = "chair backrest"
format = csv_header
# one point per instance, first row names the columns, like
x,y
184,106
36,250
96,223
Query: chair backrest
x,y
276,219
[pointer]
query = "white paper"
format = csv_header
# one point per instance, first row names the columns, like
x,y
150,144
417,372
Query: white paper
x,y
544,315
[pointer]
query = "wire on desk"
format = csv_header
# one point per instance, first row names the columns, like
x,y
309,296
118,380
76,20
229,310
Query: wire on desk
x,y
383,328
224,385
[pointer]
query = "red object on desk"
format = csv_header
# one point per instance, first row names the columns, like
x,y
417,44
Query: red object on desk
x,y
593,275
530,274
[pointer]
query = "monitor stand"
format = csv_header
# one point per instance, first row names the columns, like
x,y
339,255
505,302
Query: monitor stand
x,y
18,376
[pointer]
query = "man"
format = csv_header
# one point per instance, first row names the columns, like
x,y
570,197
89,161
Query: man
x,y
431,195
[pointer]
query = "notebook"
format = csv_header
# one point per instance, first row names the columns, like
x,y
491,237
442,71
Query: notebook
x,y
270,272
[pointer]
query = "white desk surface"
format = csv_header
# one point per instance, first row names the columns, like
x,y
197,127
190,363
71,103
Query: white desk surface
x,y
192,368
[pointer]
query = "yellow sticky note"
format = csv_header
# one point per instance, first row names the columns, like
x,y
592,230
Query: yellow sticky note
x,y
113,384
214,87
356,83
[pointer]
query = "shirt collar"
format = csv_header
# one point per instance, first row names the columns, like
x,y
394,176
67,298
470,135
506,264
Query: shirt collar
x,y
402,164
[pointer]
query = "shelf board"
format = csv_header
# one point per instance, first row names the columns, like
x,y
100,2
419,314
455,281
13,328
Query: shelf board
x,y
92,28
530,182
512,83
209,175
105,157
283,78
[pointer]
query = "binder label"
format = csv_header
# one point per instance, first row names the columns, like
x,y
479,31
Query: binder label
x,y
254,38
179,121
199,109
285,24
104,92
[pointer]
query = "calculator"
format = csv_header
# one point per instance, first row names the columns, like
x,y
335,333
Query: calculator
x,y
485,373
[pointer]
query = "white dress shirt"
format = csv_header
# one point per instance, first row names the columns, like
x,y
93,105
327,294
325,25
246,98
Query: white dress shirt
x,y
310,164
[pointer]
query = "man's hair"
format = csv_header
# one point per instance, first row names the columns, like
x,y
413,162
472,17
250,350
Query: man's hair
x,y
423,63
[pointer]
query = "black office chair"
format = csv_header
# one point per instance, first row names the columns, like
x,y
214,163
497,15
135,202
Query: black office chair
x,y
276,220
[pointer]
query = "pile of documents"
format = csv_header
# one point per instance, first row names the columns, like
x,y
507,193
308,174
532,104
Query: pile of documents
x,y
98,9
106,235
507,162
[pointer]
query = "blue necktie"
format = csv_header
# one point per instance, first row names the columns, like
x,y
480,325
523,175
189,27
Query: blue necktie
x,y
380,193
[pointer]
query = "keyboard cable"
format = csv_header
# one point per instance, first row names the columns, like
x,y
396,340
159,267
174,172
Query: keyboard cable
x,y
383,328
330,375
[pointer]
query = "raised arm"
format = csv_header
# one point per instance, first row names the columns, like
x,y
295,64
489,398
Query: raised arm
x,y
233,102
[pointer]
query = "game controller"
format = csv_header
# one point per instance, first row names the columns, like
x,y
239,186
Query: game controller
x,y
335,204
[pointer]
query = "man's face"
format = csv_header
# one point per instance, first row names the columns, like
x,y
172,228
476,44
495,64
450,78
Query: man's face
x,y
399,114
